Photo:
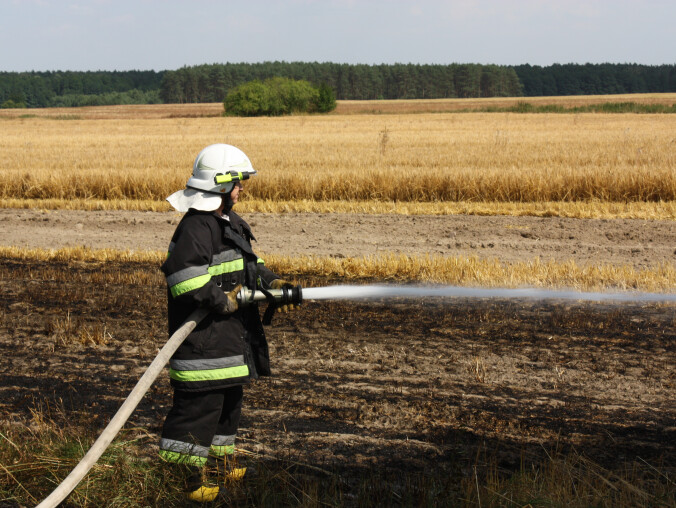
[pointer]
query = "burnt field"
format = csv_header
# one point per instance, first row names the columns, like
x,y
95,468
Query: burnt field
x,y
441,388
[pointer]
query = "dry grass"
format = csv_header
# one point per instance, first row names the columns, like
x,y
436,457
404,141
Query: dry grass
x,y
83,254
576,210
606,165
387,267
451,105
128,112
87,204
428,157
571,481
71,329
476,272
33,458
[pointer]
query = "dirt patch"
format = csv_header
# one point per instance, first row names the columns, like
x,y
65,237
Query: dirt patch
x,y
406,386
637,243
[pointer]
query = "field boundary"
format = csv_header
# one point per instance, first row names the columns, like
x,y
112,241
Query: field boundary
x,y
660,210
388,267
344,107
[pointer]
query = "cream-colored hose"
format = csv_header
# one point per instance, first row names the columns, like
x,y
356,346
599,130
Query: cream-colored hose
x,y
120,418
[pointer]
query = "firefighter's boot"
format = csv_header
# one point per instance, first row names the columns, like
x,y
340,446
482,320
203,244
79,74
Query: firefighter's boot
x,y
226,469
197,488
233,470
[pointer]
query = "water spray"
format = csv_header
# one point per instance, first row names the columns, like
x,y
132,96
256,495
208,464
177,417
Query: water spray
x,y
385,292
296,295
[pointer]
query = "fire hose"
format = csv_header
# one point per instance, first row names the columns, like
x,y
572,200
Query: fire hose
x,y
245,297
295,295
125,411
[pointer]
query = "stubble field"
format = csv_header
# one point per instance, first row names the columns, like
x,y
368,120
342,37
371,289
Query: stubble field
x,y
464,402
402,158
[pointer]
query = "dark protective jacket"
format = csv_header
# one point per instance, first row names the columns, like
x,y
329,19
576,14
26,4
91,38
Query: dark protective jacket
x,y
208,256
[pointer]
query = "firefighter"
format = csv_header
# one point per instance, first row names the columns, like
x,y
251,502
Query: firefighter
x,y
210,258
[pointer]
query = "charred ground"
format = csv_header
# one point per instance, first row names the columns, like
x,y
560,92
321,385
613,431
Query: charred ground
x,y
427,386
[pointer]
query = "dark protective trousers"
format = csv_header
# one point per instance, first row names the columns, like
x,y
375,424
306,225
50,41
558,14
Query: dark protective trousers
x,y
201,424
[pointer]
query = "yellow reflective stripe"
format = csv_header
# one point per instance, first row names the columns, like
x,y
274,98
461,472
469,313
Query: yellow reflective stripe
x,y
209,375
220,451
189,285
201,280
260,261
227,267
181,458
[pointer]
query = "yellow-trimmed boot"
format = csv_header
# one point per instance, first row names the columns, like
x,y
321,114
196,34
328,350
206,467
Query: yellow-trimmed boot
x,y
203,494
225,468
233,470
196,487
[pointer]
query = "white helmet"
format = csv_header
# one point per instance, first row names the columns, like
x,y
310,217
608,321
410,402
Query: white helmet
x,y
216,170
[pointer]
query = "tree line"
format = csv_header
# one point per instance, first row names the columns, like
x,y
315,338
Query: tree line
x,y
71,88
596,79
211,83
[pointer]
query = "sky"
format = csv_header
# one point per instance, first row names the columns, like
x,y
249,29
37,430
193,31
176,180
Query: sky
x,y
48,35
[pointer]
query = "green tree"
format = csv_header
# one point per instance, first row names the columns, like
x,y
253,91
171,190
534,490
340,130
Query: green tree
x,y
272,97
10,104
326,100
250,99
291,96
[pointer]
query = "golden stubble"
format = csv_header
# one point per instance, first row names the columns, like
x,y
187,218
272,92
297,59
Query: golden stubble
x,y
443,157
660,210
461,271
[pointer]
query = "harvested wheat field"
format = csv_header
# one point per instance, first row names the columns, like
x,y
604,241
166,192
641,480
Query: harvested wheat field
x,y
403,158
460,402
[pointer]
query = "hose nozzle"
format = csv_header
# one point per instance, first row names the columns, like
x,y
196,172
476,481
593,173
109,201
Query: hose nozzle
x,y
284,296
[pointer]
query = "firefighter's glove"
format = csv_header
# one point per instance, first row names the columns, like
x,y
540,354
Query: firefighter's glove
x,y
231,304
280,284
